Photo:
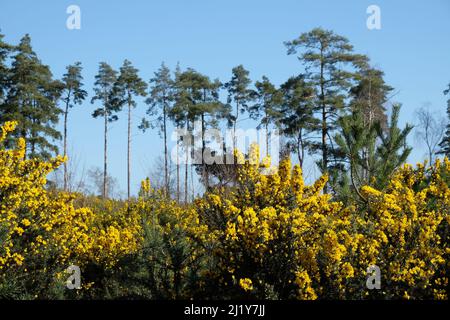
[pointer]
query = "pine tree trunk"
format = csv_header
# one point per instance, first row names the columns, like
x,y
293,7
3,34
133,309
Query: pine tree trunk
x,y
105,159
192,184
33,141
186,178
178,172
33,135
267,137
234,127
204,171
324,140
129,152
324,145
324,121
166,170
186,166
300,149
65,146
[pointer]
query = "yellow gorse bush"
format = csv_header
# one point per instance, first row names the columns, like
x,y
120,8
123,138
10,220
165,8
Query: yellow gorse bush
x,y
37,226
276,231
409,226
266,236
27,214
292,241
175,242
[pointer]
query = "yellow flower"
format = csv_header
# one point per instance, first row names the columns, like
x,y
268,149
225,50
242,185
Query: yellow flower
x,y
246,284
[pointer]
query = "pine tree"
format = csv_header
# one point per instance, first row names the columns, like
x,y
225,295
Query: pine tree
x,y
357,138
393,150
445,143
32,101
129,85
372,152
370,95
173,117
239,94
267,107
104,92
211,111
72,95
5,50
356,143
197,98
297,115
160,101
179,114
331,66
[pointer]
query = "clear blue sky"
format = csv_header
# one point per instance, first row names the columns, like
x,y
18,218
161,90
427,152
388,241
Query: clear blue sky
x,y
412,48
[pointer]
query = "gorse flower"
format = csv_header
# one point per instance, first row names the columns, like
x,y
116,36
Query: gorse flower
x,y
246,284
267,236
39,227
296,242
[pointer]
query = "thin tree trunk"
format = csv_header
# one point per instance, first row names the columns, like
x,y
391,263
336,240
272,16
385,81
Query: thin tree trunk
x,y
267,137
234,127
371,117
178,171
234,143
32,135
186,178
166,171
33,141
324,121
430,155
324,140
65,145
186,165
129,151
352,178
192,184
300,149
105,157
204,171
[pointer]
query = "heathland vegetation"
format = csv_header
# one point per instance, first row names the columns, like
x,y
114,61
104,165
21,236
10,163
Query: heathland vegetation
x,y
249,234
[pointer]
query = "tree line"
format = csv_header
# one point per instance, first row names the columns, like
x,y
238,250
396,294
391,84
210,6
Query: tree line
x,y
334,110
